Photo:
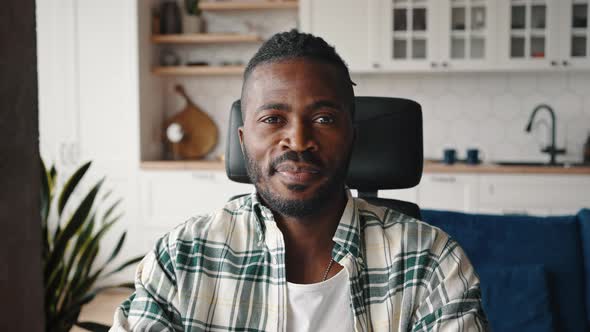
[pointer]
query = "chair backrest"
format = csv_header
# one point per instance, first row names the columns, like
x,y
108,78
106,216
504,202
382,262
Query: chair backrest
x,y
387,152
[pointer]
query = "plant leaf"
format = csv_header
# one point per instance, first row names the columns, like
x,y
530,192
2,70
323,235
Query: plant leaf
x,y
118,247
53,174
45,194
71,185
45,205
72,227
107,195
94,327
111,209
87,258
52,290
82,241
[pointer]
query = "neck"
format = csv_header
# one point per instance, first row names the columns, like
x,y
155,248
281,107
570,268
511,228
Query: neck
x,y
308,241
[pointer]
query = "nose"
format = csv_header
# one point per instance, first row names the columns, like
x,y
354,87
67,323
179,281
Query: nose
x,y
299,137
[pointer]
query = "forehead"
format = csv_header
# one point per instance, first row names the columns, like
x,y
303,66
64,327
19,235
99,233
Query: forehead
x,y
295,81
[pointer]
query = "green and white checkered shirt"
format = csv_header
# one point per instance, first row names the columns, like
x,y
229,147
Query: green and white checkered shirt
x,y
226,272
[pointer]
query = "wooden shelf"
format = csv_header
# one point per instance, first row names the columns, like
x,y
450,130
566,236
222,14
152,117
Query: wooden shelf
x,y
182,165
199,70
205,38
247,5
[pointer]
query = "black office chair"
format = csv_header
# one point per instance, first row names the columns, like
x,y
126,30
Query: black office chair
x,y
387,153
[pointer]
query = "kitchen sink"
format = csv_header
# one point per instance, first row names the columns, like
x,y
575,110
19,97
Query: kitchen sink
x,y
539,164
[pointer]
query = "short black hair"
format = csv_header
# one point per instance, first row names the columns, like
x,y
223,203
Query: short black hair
x,y
294,44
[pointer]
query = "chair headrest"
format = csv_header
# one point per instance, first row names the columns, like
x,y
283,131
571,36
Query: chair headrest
x,y
387,152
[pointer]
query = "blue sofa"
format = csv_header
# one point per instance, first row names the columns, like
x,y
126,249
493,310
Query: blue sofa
x,y
534,271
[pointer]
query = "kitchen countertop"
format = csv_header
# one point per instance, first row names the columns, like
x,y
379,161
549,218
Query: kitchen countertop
x,y
438,167
430,166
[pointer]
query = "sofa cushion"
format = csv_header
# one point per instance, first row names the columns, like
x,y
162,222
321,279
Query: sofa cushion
x,y
584,222
553,242
516,298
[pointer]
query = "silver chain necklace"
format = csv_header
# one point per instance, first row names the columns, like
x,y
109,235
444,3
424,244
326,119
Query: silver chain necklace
x,y
328,270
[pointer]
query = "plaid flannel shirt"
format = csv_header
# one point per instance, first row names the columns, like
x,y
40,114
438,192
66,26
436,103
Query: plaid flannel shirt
x,y
226,272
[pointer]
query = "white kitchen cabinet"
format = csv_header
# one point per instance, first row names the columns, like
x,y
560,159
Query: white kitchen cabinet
x,y
575,33
346,24
448,191
407,34
528,33
539,34
504,194
108,100
467,34
170,197
533,194
88,78
437,35
58,83
448,35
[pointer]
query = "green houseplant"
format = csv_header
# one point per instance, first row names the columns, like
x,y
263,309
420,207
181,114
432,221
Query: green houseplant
x,y
71,242
192,7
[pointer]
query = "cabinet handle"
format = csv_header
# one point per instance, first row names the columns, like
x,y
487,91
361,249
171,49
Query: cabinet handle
x,y
554,63
565,63
376,65
444,179
433,64
445,64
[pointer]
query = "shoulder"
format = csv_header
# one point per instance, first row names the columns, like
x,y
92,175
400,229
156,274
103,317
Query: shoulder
x,y
397,228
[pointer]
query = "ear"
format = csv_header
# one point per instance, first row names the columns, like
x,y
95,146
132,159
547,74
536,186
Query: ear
x,y
241,137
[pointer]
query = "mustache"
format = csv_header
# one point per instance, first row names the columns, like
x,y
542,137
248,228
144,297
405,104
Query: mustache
x,y
305,157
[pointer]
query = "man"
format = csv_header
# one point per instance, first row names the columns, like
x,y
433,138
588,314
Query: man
x,y
300,254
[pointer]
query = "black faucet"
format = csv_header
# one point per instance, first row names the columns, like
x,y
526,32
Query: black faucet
x,y
552,150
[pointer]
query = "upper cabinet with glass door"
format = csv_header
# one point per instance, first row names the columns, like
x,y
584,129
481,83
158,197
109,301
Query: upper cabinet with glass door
x,y
576,33
438,34
468,41
529,33
409,34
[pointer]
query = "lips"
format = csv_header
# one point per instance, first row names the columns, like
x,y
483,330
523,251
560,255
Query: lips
x,y
300,173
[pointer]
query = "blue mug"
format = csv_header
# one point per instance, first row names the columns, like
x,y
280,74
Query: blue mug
x,y
473,156
449,156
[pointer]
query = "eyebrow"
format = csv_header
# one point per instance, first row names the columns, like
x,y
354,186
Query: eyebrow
x,y
277,106
284,107
325,103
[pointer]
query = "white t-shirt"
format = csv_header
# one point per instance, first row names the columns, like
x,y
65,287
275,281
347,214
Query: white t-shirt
x,y
323,306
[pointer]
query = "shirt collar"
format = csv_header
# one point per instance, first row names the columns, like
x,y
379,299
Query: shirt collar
x,y
346,238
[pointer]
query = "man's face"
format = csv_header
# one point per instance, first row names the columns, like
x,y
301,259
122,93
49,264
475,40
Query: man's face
x,y
297,134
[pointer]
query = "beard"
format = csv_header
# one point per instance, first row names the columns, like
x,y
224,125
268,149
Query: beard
x,y
297,208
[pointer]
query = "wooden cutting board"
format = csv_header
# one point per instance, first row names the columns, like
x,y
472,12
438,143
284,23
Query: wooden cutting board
x,y
199,132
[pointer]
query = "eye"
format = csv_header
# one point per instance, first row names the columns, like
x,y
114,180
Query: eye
x,y
271,119
324,119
